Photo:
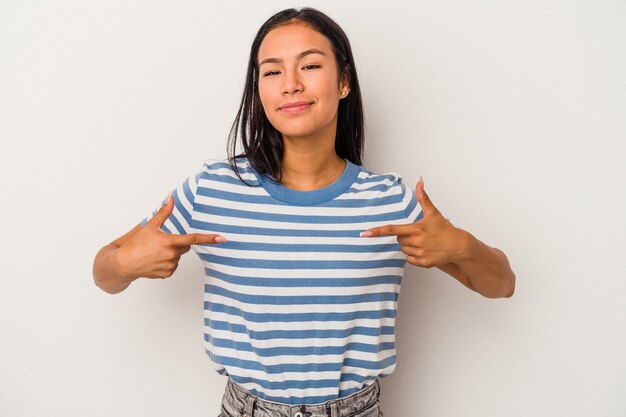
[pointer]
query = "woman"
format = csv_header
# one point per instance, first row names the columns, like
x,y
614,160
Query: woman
x,y
303,248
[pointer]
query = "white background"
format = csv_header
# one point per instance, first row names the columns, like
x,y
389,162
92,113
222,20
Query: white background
x,y
513,111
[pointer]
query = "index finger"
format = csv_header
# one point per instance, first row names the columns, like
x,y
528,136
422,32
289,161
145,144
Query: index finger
x,y
196,239
389,230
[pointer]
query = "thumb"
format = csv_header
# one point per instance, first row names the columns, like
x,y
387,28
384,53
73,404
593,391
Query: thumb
x,y
164,212
427,206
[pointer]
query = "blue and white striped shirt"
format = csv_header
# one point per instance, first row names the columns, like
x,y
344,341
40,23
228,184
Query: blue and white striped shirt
x,y
298,308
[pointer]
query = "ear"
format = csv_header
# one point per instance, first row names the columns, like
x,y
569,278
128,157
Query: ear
x,y
344,88
344,80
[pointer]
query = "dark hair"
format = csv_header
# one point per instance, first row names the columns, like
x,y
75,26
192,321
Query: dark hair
x,y
262,143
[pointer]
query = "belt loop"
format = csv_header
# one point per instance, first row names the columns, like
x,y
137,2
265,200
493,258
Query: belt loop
x,y
334,409
249,407
329,410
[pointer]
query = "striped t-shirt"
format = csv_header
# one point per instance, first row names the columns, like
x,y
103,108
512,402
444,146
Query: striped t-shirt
x,y
298,308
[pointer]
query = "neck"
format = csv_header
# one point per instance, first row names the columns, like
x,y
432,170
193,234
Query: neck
x,y
310,168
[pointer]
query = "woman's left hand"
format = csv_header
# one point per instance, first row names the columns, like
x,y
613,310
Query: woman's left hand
x,y
434,242
430,242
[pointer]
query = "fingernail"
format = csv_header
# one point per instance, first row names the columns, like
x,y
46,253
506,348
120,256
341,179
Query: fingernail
x,y
420,179
366,234
169,197
220,239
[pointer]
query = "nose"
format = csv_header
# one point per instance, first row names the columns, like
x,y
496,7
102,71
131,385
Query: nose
x,y
292,83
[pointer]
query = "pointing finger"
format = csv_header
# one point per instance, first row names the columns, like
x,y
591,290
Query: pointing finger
x,y
197,239
389,230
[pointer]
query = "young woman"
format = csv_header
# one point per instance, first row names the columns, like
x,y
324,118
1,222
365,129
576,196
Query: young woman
x,y
303,248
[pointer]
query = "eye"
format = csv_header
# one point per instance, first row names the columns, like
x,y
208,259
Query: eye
x,y
311,66
270,73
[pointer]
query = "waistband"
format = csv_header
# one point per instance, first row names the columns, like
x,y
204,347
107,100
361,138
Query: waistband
x,y
249,405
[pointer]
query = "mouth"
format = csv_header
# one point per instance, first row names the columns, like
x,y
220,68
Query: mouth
x,y
297,107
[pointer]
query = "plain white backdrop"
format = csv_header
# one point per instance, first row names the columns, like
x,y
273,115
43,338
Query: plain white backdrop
x,y
512,111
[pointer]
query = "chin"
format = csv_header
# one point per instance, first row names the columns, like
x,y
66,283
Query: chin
x,y
294,132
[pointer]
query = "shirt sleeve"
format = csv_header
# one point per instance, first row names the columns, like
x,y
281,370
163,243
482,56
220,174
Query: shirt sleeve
x,y
412,208
184,196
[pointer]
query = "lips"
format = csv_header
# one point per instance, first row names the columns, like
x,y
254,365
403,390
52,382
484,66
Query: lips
x,y
295,107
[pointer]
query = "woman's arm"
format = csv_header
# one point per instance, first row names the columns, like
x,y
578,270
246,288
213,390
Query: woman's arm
x,y
106,272
144,252
482,268
435,242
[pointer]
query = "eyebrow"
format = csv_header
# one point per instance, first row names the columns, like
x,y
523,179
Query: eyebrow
x,y
299,56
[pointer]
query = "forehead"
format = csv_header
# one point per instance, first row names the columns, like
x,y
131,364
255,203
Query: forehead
x,y
289,40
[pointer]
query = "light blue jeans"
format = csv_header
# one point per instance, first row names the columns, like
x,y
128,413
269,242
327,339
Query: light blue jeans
x,y
238,402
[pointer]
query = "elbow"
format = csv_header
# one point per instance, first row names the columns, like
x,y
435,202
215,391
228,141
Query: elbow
x,y
511,291
508,294
510,285
105,285
508,288
98,282
96,268
98,273
505,290
506,279
94,274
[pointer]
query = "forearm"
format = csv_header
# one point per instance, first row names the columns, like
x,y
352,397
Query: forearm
x,y
484,269
105,273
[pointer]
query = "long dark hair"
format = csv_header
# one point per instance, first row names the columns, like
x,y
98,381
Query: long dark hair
x,y
262,143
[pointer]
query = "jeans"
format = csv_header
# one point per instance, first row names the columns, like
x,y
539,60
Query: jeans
x,y
238,402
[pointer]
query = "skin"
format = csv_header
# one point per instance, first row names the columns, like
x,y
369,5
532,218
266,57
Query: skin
x,y
146,252
435,242
297,64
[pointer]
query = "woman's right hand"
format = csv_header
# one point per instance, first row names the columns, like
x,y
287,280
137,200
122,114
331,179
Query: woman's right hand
x,y
152,253
144,252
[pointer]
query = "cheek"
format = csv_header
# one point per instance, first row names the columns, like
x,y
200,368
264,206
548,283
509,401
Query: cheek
x,y
262,93
268,103
330,90
265,97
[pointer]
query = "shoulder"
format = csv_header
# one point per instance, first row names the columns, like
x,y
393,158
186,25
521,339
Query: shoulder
x,y
391,187
390,182
223,170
